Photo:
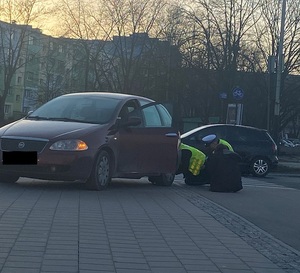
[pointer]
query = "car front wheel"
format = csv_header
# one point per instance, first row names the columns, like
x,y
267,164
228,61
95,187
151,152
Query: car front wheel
x,y
101,173
163,179
260,167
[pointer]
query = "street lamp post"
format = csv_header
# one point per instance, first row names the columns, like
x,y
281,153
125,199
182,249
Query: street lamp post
x,y
279,72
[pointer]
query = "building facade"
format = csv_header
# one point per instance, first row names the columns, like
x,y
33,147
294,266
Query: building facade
x,y
35,68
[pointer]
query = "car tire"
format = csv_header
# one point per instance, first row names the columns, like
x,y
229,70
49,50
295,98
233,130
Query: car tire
x,y
260,167
101,173
162,180
5,178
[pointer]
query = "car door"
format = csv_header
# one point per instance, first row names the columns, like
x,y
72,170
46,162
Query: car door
x,y
246,142
153,143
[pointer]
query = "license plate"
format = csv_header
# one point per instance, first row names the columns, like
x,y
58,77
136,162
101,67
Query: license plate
x,y
19,158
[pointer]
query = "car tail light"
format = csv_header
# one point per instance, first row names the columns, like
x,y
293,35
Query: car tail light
x,y
274,148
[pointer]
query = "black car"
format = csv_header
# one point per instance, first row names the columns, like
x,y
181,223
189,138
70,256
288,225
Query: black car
x,y
256,147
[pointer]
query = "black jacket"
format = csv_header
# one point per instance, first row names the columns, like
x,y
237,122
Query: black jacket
x,y
224,171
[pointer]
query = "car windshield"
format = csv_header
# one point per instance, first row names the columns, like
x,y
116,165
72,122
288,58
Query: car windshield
x,y
77,108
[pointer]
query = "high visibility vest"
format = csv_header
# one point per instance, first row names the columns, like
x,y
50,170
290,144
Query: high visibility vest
x,y
224,142
197,159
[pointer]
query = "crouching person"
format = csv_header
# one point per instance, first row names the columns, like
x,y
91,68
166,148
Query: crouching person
x,y
192,163
224,170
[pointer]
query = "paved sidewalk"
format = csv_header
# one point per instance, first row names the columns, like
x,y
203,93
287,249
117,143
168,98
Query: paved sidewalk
x,y
131,227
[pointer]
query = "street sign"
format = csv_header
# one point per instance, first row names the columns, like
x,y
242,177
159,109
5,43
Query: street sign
x,y
223,95
238,93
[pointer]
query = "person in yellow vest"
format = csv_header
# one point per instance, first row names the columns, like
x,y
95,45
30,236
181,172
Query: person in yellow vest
x,y
212,141
192,162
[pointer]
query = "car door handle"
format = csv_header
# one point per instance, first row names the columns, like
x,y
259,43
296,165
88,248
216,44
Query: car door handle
x,y
171,135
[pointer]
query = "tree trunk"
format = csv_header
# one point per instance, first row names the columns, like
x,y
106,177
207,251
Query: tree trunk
x,y
2,103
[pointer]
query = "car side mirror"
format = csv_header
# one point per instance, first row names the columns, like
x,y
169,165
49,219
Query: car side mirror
x,y
131,121
29,112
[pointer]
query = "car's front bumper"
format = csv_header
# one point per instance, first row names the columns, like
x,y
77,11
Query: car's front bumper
x,y
54,165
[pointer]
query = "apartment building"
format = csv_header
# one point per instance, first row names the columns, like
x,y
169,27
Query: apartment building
x,y
35,68
31,66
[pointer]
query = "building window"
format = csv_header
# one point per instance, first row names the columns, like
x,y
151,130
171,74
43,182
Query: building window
x,y
19,79
26,109
30,76
7,109
52,62
30,40
61,66
42,65
60,49
30,58
51,46
18,98
29,94
21,61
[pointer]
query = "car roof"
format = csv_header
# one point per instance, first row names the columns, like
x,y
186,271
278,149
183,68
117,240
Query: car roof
x,y
218,125
120,96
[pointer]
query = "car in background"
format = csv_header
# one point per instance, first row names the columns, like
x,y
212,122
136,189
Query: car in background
x,y
286,143
255,146
295,141
92,137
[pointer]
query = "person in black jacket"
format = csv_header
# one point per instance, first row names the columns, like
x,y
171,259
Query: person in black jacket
x,y
224,170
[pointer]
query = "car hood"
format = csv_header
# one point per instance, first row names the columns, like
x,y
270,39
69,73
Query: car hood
x,y
46,129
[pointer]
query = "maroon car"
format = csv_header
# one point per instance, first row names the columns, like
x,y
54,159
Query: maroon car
x,y
92,137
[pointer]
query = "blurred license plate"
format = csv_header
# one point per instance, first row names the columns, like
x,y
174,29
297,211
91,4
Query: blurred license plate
x,y
19,158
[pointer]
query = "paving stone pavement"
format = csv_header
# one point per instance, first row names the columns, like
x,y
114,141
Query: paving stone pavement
x,y
132,227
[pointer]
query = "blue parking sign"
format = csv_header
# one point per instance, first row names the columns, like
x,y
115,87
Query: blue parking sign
x,y
238,93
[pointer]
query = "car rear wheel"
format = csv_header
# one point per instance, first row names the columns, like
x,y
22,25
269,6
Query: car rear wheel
x,y
101,173
260,167
163,179
5,178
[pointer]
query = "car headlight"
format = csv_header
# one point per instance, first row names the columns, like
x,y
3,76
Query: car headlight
x,y
69,145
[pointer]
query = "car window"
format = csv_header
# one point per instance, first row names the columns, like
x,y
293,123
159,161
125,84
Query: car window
x,y
89,110
155,114
127,109
152,117
165,115
245,134
236,134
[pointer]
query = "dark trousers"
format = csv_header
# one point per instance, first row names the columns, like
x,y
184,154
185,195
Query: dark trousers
x,y
190,179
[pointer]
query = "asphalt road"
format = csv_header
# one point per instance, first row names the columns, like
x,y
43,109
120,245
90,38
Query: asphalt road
x,y
271,203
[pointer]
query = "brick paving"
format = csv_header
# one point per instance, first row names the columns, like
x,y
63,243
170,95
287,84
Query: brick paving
x,y
132,227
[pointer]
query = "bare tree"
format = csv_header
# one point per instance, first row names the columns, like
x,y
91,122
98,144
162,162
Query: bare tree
x,y
218,39
132,21
267,41
83,21
15,34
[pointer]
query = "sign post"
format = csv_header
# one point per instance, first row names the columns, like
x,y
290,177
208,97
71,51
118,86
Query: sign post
x,y
235,110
